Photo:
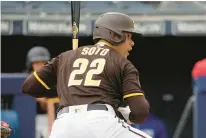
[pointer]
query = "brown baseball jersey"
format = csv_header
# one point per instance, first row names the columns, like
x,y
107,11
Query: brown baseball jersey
x,y
90,74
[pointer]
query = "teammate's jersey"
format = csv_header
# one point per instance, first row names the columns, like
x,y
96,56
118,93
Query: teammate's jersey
x,y
95,73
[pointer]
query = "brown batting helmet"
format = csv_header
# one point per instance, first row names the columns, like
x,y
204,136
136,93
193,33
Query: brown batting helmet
x,y
110,27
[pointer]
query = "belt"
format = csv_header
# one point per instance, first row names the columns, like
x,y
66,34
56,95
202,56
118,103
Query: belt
x,y
76,109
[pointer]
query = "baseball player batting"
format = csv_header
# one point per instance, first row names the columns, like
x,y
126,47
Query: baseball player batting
x,y
92,83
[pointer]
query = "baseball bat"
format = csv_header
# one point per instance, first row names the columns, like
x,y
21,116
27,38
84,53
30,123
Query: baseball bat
x,y
75,11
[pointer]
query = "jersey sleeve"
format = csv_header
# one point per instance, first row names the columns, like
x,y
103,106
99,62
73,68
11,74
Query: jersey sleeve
x,y
131,83
47,74
41,83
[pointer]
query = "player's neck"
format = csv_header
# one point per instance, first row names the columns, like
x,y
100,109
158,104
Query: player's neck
x,y
110,45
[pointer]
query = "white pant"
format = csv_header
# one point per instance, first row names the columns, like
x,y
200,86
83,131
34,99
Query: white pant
x,y
80,123
41,126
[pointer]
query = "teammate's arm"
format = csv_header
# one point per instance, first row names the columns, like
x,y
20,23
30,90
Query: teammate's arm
x,y
42,82
134,95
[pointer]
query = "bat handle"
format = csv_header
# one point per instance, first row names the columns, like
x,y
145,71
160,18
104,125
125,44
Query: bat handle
x,y
75,43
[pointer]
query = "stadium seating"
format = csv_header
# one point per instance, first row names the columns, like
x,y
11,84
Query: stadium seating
x,y
98,7
182,7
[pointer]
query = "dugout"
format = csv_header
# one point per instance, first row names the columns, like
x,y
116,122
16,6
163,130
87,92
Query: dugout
x,y
165,65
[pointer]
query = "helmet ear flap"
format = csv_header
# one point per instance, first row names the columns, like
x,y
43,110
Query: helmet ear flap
x,y
115,38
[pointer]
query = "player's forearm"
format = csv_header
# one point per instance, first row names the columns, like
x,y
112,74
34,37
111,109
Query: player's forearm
x,y
139,115
51,115
139,108
130,118
137,118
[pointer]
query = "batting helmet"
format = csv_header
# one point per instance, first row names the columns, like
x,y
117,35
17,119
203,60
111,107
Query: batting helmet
x,y
113,24
35,54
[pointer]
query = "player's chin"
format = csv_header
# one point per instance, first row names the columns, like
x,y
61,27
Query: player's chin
x,y
127,54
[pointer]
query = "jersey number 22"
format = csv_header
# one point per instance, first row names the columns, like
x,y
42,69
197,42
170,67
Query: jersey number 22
x,y
83,64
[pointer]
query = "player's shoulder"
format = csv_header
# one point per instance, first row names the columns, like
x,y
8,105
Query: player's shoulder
x,y
62,56
82,47
65,52
70,52
92,46
125,62
93,51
